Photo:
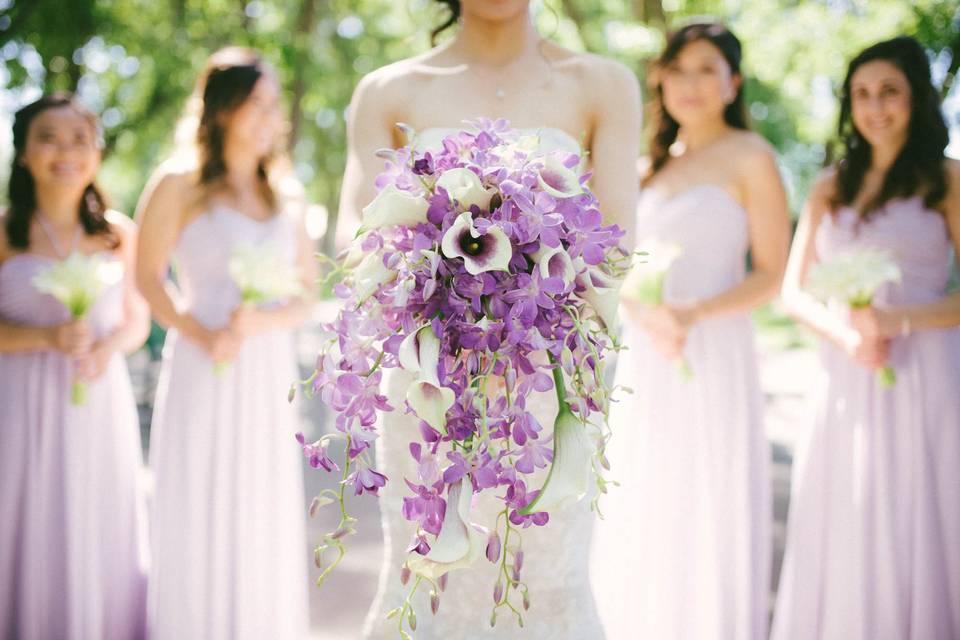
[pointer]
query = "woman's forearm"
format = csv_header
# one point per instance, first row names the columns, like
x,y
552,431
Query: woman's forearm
x,y
809,311
19,338
942,314
756,288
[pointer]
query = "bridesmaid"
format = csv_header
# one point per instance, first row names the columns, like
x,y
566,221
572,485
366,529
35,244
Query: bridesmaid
x,y
684,549
72,533
873,542
228,526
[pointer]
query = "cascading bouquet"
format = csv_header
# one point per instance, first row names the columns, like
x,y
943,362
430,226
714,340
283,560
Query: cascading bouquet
x,y
484,270
853,278
77,283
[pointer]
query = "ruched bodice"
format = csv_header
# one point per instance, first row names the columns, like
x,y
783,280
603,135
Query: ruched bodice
x,y
203,256
914,236
21,303
709,226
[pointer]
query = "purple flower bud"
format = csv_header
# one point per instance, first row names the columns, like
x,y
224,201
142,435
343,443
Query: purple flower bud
x,y
314,507
526,600
498,592
318,557
442,582
404,575
518,560
515,574
493,547
342,532
434,602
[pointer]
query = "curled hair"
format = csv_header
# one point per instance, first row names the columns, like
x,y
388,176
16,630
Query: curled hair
x,y
22,188
664,128
918,168
226,83
454,7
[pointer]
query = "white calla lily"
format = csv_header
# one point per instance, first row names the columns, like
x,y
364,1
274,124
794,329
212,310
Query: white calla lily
x,y
555,262
602,292
558,180
420,352
459,544
394,207
465,187
488,252
352,256
409,352
431,403
369,275
569,477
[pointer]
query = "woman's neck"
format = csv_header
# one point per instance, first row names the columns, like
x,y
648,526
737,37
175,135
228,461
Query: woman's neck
x,y
60,208
696,137
882,158
496,43
242,170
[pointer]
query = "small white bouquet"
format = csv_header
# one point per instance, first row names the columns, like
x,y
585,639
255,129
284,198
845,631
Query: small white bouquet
x,y
76,283
644,282
262,275
854,277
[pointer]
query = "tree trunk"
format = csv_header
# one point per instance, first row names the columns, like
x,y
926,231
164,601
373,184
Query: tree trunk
x,y
301,38
650,12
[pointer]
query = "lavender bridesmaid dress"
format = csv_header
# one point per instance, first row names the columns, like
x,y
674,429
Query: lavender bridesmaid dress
x,y
228,526
873,542
683,551
72,527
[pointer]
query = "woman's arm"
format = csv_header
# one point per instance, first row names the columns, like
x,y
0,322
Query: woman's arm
x,y
160,215
615,145
135,328
768,220
800,304
132,331
370,128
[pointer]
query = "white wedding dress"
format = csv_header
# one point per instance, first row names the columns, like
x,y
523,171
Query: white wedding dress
x,y
555,556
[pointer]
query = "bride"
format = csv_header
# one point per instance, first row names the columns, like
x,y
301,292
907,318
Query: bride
x,y
495,66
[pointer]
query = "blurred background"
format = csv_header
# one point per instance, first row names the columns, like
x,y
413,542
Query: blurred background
x,y
134,62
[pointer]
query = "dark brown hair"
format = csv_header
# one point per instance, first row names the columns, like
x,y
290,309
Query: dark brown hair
x,y
664,128
225,84
918,168
454,7
22,188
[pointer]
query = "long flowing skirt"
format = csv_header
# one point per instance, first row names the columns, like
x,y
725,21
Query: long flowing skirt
x,y
228,526
73,548
683,551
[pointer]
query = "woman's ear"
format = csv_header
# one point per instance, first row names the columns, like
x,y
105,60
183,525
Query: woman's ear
x,y
736,80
